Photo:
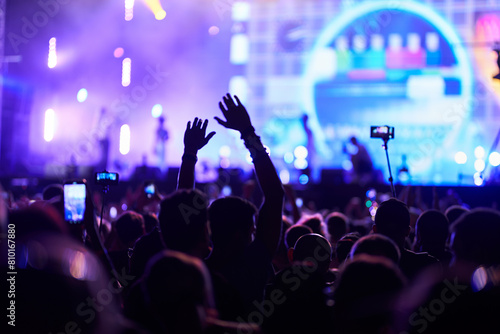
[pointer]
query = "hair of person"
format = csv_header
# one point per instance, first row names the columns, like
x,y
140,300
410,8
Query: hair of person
x,y
377,245
313,248
129,227
183,218
454,212
230,215
294,232
476,236
315,222
336,223
392,217
432,227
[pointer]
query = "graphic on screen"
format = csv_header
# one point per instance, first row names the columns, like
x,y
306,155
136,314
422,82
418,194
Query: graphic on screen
x,y
74,202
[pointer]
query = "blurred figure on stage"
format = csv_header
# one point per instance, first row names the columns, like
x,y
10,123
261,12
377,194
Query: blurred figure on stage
x,y
160,147
362,165
102,129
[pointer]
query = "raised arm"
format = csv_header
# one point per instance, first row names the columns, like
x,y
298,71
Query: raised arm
x,y
194,139
270,213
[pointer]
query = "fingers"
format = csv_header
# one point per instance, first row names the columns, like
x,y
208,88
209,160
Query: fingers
x,y
237,100
188,125
209,136
205,124
222,108
221,122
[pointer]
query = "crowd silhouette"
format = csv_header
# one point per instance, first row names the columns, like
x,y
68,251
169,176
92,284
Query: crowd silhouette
x,y
186,262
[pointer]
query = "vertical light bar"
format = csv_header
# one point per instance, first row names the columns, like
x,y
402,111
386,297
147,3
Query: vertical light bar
x,y
129,10
52,62
126,70
124,139
49,125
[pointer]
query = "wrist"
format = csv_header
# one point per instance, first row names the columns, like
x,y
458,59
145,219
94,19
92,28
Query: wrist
x,y
247,132
189,156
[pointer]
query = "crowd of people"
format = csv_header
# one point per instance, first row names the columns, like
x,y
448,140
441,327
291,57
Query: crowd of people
x,y
185,262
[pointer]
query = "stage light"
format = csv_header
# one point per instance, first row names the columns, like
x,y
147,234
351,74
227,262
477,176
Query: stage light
x,y
226,191
239,49
118,53
113,212
157,110
460,158
494,159
213,30
50,125
124,207
479,165
124,139
288,157
285,176
479,152
224,151
160,15
300,152
129,10
126,71
478,179
371,193
157,9
240,11
52,62
82,95
224,163
300,163
368,203
238,85
303,179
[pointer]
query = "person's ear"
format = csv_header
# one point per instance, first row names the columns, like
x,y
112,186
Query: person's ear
x,y
290,254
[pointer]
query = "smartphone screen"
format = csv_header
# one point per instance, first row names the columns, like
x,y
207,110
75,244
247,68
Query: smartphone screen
x,y
149,189
74,202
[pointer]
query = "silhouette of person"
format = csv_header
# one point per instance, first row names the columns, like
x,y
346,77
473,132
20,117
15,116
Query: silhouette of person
x,y
160,148
497,50
362,165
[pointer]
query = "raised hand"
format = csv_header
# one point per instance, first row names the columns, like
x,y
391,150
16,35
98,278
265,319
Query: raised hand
x,y
236,115
195,136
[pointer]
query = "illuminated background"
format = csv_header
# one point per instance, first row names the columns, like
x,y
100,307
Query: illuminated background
x,y
424,67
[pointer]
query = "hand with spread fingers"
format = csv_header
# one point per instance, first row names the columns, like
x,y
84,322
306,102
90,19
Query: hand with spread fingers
x,y
195,136
236,115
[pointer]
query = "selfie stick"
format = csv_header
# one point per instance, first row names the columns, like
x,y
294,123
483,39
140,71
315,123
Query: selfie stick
x,y
105,189
391,180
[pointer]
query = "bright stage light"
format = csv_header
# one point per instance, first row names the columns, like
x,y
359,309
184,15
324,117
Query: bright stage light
x,y
157,9
52,62
478,179
82,95
479,152
479,165
300,163
50,125
157,110
125,139
129,10
224,151
494,159
300,152
160,15
285,176
239,49
460,158
126,71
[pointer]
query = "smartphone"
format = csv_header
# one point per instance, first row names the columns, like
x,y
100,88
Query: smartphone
x,y
385,131
149,189
106,178
75,194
